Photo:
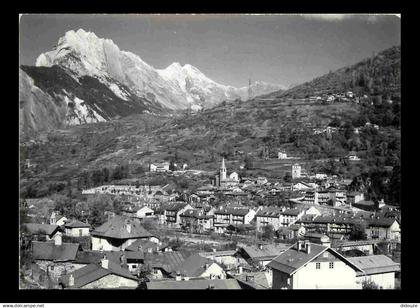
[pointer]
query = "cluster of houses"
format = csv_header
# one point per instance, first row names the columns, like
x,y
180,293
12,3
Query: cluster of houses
x,y
123,255
313,230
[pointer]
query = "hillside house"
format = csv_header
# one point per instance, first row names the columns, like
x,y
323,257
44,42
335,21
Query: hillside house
x,y
106,275
277,217
310,266
229,258
119,233
76,228
196,266
54,257
291,232
282,155
378,269
159,167
57,219
355,197
197,220
164,264
171,211
44,232
231,216
261,254
383,228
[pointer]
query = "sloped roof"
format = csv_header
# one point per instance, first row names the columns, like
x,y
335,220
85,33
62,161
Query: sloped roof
x,y
197,284
167,261
193,266
93,272
269,212
291,212
233,211
292,259
381,222
142,244
267,252
261,280
76,224
47,229
375,264
219,253
117,228
50,251
88,256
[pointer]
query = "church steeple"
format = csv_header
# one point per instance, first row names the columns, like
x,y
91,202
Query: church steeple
x,y
223,170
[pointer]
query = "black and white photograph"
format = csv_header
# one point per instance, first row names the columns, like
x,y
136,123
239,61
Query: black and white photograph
x,y
210,151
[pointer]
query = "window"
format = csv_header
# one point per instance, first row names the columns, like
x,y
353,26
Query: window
x,y
318,265
331,264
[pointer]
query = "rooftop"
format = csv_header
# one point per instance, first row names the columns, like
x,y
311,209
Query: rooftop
x,y
269,251
93,272
193,266
116,228
76,224
50,251
293,259
375,264
47,229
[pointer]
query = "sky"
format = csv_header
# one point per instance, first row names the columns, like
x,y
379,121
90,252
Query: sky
x,y
230,49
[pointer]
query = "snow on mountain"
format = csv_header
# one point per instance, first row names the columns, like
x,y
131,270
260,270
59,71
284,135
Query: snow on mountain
x,y
82,53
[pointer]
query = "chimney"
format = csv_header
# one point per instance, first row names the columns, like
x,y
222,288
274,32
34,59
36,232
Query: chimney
x,y
307,246
299,245
71,280
210,287
240,269
178,276
57,239
206,265
128,227
260,246
104,262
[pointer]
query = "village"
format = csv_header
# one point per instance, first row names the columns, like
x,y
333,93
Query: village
x,y
232,233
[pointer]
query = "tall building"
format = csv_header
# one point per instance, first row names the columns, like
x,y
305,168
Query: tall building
x,y
296,171
222,170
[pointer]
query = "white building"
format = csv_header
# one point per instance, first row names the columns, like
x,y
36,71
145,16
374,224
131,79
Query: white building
x,y
282,155
310,266
296,171
378,269
159,167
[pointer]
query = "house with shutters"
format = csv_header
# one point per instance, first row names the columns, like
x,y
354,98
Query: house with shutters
x,y
277,217
232,216
197,220
170,212
76,228
118,233
307,265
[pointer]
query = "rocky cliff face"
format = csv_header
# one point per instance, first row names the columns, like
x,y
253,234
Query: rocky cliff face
x,y
88,79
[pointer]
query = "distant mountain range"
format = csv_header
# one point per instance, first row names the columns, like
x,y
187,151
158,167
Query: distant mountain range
x,y
87,79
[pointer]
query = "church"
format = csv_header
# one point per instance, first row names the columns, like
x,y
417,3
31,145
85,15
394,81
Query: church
x,y
222,179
